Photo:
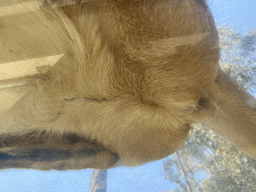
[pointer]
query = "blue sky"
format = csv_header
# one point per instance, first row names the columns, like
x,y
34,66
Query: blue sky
x,y
241,14
238,13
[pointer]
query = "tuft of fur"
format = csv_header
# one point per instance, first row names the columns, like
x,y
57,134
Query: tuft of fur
x,y
134,76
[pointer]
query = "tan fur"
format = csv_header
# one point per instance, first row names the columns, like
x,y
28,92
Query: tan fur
x,y
135,75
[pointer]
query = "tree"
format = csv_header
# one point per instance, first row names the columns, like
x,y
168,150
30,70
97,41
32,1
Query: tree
x,y
211,163
98,181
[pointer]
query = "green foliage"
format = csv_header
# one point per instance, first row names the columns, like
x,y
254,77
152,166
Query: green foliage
x,y
211,163
239,56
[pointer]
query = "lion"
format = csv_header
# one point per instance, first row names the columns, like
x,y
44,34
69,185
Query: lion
x,y
130,78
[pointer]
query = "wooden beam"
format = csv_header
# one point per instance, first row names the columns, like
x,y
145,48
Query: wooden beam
x,y
19,8
12,81
8,97
33,6
30,67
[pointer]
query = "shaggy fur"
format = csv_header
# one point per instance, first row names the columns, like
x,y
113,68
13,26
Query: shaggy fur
x,y
135,75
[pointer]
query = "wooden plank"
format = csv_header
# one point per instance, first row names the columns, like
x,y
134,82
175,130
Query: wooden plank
x,y
30,67
19,8
8,97
13,74
22,13
12,81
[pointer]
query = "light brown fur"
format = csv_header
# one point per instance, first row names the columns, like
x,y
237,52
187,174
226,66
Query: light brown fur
x,y
132,80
